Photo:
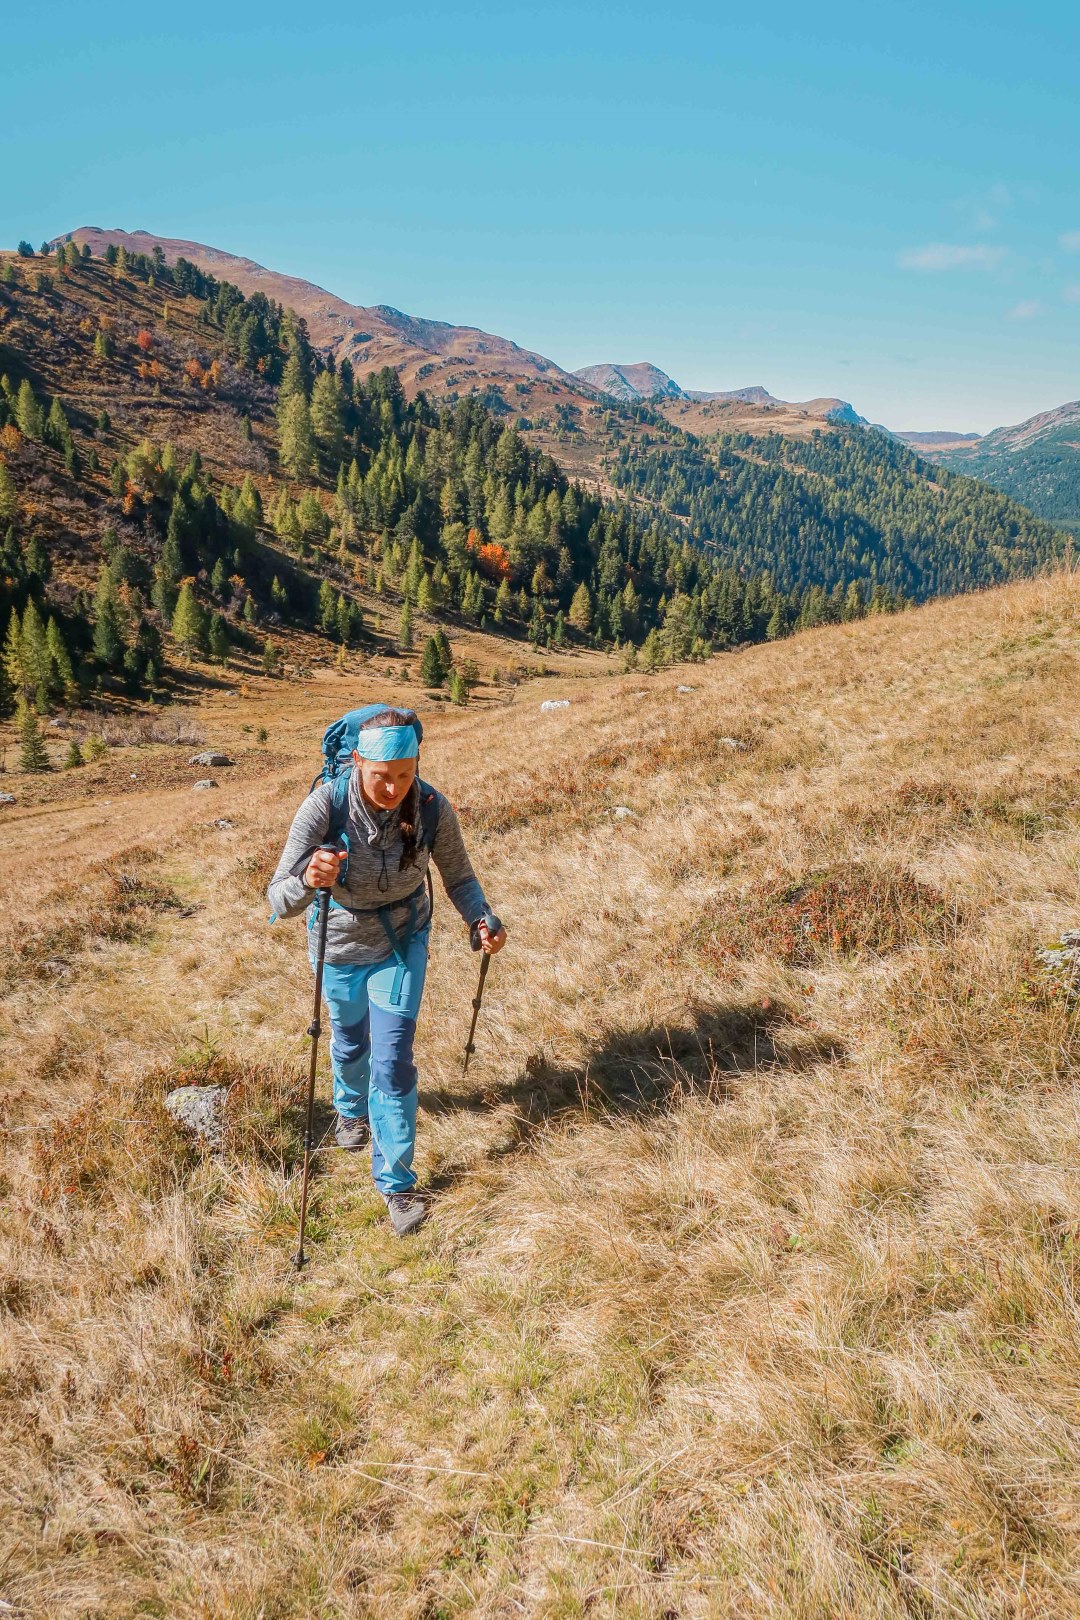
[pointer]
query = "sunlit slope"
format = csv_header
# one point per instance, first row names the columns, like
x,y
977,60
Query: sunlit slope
x,y
750,1287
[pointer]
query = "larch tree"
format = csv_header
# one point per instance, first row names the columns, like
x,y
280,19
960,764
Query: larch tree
x,y
581,609
189,620
297,448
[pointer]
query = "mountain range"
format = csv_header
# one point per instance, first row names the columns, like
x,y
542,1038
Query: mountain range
x,y
1036,461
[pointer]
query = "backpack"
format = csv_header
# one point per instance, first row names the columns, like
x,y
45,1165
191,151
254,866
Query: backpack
x,y
339,740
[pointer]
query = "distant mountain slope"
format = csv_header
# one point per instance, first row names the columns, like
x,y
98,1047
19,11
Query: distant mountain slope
x,y
644,383
435,355
1037,462
630,383
941,439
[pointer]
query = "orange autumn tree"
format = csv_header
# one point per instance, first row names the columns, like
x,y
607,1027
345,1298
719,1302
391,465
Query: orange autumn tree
x,y
492,559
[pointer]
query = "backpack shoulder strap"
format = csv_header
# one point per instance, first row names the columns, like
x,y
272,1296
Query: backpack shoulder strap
x,y
339,807
429,814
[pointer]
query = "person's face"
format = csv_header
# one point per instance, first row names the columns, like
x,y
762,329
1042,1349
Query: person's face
x,y
385,781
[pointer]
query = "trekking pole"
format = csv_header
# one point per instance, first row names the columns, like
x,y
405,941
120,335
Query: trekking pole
x,y
493,925
314,1030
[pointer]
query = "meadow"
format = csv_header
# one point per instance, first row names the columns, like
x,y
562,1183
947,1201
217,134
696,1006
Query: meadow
x,y
750,1288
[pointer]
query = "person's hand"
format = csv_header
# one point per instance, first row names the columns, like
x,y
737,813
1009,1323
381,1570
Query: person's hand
x,y
322,869
490,944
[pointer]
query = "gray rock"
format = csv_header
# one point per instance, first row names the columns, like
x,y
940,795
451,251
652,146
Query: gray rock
x,y
209,758
554,703
684,689
224,823
201,1110
7,798
621,811
207,782
734,742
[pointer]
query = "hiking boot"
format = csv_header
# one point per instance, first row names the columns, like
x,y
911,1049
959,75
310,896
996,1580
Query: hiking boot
x,y
407,1210
352,1134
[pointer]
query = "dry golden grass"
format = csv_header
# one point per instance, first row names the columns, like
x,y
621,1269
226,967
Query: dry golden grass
x,y
751,1284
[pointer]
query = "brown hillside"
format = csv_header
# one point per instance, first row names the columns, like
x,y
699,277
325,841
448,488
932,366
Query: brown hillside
x,y
434,355
169,380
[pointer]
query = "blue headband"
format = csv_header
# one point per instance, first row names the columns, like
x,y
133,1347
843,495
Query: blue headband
x,y
387,742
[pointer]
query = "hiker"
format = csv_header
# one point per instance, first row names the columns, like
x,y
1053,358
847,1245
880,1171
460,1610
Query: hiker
x,y
384,825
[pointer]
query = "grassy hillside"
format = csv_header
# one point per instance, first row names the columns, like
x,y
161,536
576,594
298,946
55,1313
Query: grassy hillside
x,y
751,1283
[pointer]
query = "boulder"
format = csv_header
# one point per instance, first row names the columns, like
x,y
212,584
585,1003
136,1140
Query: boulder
x,y
684,689
554,703
621,811
7,798
224,823
209,758
207,782
1062,960
201,1110
736,743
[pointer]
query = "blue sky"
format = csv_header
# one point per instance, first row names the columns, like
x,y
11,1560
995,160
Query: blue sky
x,y
881,203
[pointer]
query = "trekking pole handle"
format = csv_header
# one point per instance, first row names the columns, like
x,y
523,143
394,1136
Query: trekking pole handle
x,y
490,922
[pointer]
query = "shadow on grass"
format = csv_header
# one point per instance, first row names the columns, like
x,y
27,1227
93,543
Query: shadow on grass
x,y
637,1072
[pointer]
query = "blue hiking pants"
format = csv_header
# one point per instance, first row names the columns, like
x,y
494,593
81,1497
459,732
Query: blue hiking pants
x,y
371,1048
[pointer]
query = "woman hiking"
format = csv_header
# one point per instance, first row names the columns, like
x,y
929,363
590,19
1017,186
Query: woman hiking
x,y
384,826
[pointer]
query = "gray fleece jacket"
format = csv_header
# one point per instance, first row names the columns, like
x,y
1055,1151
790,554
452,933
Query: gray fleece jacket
x,y
373,878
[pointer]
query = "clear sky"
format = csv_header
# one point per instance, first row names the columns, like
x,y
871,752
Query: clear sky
x,y
878,202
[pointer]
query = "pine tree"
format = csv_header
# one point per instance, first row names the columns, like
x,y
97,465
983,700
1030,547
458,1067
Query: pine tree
x,y
34,649
270,657
32,752
57,427
219,577
432,672
446,656
405,627
28,413
61,674
7,685
458,691
327,605
344,620
13,664
9,504
74,756
189,620
297,449
581,609
108,630
219,639
327,419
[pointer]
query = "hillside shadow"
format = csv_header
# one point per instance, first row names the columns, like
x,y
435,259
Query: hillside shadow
x,y
637,1072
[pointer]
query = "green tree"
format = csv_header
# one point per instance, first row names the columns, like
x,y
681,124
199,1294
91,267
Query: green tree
x,y
32,752
28,412
581,609
189,620
9,504
34,649
219,639
432,671
297,448
327,415
405,627
108,626
61,674
13,665
74,755
270,657
344,620
459,692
